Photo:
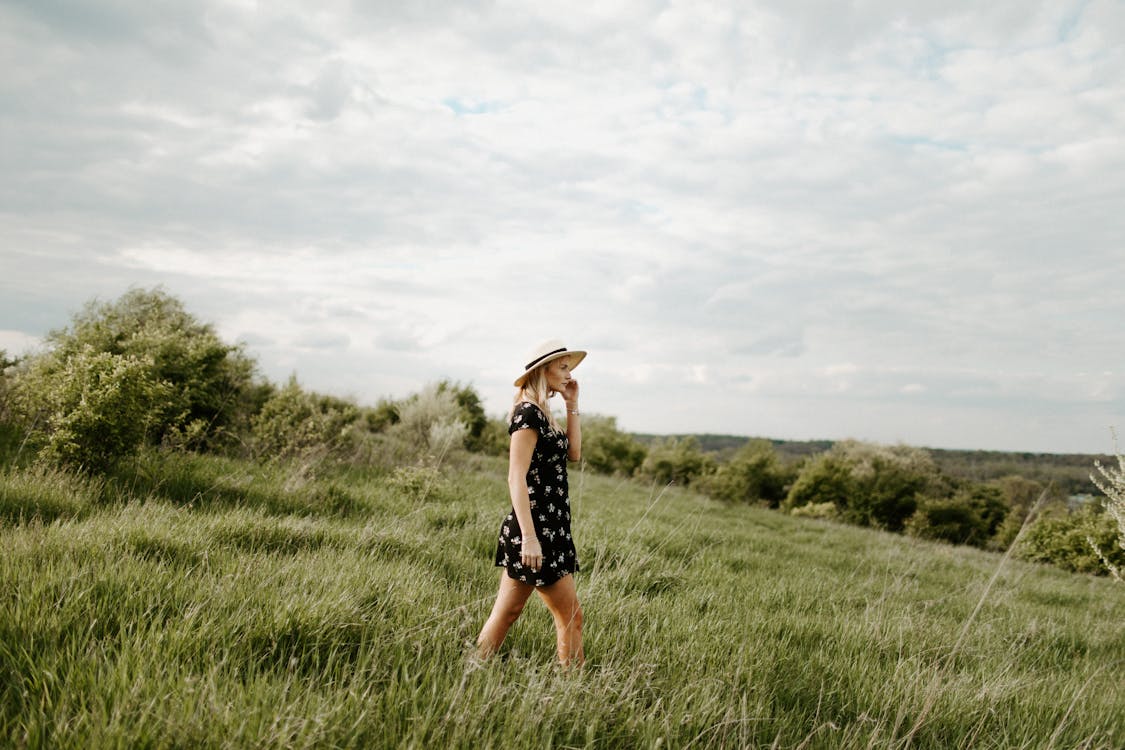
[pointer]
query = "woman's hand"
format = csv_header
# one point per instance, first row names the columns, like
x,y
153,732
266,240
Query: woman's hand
x,y
570,393
531,554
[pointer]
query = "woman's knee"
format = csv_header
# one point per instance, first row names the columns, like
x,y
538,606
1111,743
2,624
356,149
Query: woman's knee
x,y
512,612
570,619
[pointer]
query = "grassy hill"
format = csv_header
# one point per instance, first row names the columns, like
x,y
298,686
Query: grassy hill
x,y
202,602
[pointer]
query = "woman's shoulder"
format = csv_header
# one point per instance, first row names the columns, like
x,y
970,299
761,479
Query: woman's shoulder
x,y
526,414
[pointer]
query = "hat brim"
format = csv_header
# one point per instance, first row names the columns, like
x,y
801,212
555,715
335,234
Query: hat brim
x,y
576,356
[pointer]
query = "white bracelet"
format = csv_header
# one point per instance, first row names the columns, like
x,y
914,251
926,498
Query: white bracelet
x,y
575,412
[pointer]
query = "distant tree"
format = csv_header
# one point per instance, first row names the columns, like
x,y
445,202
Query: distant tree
x,y
1021,495
971,516
607,449
678,460
381,416
871,485
754,474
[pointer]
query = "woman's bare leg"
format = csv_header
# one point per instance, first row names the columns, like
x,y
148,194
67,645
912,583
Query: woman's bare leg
x,y
512,596
561,598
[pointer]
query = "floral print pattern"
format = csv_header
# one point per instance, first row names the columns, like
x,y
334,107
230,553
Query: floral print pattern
x,y
550,504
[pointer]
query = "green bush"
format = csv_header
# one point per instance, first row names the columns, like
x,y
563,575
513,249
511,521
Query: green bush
x,y
90,409
494,439
1068,540
823,511
678,460
208,392
754,474
1020,495
296,423
971,516
871,485
607,449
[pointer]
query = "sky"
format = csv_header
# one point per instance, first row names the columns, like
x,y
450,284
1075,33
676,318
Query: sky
x,y
799,219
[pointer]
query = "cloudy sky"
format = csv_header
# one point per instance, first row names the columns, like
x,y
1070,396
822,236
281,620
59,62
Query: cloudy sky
x,y
789,218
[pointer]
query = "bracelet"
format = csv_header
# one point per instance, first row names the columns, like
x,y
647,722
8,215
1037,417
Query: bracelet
x,y
574,412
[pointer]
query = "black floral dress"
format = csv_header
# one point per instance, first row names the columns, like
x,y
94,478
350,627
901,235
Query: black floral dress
x,y
550,505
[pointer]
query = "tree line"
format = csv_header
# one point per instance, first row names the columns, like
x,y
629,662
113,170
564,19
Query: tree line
x,y
142,373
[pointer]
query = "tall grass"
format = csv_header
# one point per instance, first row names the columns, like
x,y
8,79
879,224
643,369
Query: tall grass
x,y
205,602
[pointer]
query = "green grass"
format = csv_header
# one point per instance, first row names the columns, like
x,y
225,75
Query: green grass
x,y
202,602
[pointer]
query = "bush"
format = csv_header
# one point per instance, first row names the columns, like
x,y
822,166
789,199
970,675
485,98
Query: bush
x,y
296,423
754,474
607,449
1020,495
871,485
471,413
1068,540
207,381
823,511
969,517
494,439
10,433
89,410
429,428
678,460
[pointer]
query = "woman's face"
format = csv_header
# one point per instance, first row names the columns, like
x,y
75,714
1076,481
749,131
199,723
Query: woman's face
x,y
558,373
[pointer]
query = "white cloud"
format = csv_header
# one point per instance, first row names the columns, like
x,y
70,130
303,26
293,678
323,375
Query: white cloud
x,y
718,197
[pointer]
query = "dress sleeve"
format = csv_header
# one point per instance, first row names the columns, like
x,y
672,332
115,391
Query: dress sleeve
x,y
527,417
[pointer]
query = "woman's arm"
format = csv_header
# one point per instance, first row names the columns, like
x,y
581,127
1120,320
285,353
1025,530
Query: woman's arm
x,y
519,461
573,424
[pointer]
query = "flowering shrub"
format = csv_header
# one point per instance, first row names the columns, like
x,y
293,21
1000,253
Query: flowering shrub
x,y
1112,484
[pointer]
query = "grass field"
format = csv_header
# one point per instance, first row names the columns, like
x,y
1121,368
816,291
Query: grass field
x,y
201,602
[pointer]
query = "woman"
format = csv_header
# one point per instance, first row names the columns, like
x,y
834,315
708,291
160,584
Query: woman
x,y
536,549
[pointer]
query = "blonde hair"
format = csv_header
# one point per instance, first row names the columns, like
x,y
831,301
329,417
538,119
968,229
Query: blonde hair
x,y
535,390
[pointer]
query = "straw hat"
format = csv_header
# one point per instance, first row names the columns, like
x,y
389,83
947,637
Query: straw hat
x,y
549,351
